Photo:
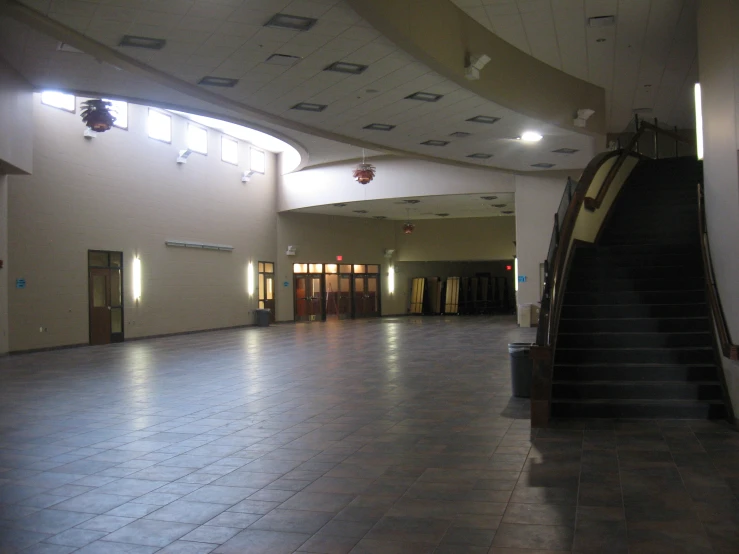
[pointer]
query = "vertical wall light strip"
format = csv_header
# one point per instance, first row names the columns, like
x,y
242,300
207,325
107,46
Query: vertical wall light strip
x,y
515,273
136,278
250,279
391,280
698,121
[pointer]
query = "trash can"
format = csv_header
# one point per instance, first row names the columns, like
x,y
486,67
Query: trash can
x,y
263,317
521,368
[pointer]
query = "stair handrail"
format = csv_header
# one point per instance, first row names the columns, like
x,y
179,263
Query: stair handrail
x,y
592,204
728,348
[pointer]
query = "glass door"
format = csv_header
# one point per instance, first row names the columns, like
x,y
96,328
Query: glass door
x,y
105,296
267,288
308,296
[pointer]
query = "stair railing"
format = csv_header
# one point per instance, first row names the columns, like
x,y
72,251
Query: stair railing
x,y
559,256
728,348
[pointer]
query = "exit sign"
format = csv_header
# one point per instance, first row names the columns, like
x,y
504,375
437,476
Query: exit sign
x,y
339,258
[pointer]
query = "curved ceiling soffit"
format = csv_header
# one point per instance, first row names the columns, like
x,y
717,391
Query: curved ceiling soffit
x,y
442,36
50,27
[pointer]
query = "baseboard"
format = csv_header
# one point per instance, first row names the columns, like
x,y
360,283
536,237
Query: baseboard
x,y
46,349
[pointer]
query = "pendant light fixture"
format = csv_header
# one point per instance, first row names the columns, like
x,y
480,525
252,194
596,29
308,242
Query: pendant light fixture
x,y
364,172
408,227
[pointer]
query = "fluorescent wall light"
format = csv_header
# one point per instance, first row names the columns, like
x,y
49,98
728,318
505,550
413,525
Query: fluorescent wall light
x,y
515,273
698,121
136,279
531,136
391,280
250,279
204,245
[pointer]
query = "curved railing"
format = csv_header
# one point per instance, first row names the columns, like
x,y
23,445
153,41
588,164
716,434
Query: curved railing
x,y
596,191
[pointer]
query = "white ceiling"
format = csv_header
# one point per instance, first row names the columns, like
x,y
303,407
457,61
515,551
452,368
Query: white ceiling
x,y
652,43
227,39
456,205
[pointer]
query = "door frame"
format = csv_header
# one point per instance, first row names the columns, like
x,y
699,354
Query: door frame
x,y
114,337
262,264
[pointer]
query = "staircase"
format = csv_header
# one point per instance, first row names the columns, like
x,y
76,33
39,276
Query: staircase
x,y
635,338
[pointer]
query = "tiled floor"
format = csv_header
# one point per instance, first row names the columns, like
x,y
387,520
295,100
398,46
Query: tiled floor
x,y
392,436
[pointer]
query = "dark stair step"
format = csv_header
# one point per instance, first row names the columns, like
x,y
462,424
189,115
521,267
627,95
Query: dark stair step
x,y
634,340
669,390
687,259
635,372
635,325
641,409
635,297
631,311
652,272
629,250
692,355
596,283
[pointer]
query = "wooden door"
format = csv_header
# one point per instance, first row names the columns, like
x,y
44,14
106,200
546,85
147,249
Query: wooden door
x,y
345,296
99,294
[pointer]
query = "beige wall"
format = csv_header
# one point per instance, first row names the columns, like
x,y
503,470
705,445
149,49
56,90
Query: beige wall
x,y
4,258
16,124
124,191
718,56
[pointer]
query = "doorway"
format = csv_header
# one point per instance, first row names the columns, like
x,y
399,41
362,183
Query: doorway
x,y
366,291
308,296
266,287
105,296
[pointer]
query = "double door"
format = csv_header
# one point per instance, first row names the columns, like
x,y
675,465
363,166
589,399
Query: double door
x,y
366,296
308,298
336,296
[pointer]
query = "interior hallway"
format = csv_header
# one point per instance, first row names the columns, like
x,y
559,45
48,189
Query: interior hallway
x,y
383,436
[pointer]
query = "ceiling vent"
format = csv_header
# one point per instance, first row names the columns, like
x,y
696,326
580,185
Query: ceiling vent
x,y
360,211
425,96
489,197
379,127
291,22
442,215
484,119
218,82
542,165
435,142
308,107
565,151
284,60
480,156
345,67
142,42
602,21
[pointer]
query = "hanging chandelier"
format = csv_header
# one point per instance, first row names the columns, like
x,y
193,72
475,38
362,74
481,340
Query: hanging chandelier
x,y
408,227
96,115
364,172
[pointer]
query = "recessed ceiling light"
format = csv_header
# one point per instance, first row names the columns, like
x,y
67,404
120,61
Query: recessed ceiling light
x,y
435,142
64,47
379,217
339,205
602,21
360,211
345,67
142,42
565,151
442,215
425,96
283,60
542,165
292,22
484,119
489,197
507,212
379,127
480,156
460,134
530,136
498,205
308,107
218,82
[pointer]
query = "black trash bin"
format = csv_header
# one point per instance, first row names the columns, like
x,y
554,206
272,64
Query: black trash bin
x,y
263,317
521,368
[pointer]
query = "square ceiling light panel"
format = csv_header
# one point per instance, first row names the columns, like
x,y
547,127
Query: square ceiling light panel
x,y
489,119
542,165
460,134
435,142
425,96
284,60
291,22
142,42
345,67
309,107
226,82
379,127
480,156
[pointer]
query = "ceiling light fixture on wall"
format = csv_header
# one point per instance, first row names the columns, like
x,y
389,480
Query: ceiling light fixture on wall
x,y
291,22
581,119
530,136
364,172
183,155
473,66
291,251
247,175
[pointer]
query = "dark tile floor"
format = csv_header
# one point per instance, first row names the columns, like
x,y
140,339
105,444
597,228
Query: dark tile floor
x,y
392,436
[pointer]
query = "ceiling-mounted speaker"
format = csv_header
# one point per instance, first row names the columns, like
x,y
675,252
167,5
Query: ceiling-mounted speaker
x,y
389,252
291,250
